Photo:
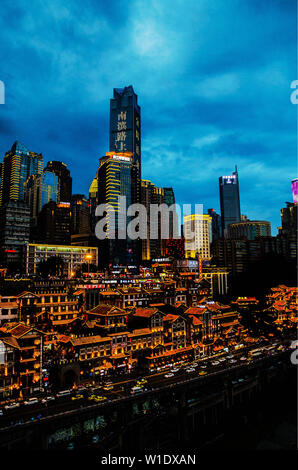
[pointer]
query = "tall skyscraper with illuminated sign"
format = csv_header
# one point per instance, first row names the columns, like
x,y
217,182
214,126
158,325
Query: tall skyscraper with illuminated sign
x,y
125,130
229,200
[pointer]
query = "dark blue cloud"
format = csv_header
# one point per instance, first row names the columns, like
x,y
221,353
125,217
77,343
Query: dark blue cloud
x,y
213,80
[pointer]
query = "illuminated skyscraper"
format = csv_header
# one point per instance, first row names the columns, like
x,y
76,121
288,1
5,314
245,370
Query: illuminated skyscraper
x,y
39,190
229,200
151,194
197,233
18,164
116,178
125,130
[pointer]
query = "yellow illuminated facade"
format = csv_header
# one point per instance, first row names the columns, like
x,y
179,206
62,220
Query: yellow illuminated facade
x,y
18,164
197,233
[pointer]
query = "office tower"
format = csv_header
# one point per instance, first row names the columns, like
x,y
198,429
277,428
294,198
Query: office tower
x,y
295,189
80,215
151,194
18,164
14,232
54,223
115,175
125,131
146,200
169,199
249,229
289,215
229,200
93,203
39,190
197,233
64,180
216,224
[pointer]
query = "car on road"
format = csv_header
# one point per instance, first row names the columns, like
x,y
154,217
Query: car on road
x,y
142,381
202,372
11,406
1,412
64,393
167,376
100,399
175,370
107,388
81,388
97,398
77,397
191,369
136,390
243,358
215,363
47,399
232,361
31,401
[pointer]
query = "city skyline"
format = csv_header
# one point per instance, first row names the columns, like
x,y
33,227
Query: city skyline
x,y
222,113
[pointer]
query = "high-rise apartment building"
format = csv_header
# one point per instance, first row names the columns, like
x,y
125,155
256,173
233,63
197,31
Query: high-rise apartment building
x,y
197,234
18,164
229,200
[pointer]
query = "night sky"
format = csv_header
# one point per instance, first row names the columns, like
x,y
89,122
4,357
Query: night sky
x,y
213,81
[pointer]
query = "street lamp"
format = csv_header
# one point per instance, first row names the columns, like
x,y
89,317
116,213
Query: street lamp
x,y
88,258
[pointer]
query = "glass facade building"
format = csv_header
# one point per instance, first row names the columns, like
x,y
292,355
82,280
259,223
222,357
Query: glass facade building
x,y
39,190
18,164
229,200
116,176
249,229
64,179
125,130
